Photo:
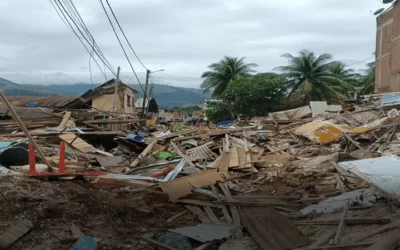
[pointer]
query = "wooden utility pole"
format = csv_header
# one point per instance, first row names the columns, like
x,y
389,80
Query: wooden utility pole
x,y
26,132
145,92
116,91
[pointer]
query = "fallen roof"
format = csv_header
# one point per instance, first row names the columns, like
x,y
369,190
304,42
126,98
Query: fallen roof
x,y
40,101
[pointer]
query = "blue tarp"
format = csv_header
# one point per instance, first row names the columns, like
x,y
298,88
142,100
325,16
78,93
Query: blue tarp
x,y
390,98
225,123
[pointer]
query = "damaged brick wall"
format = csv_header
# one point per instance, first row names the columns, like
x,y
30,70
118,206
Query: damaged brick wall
x,y
388,51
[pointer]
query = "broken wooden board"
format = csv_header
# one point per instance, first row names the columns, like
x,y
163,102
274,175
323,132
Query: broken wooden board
x,y
107,161
271,230
65,119
183,186
77,143
234,158
201,215
14,232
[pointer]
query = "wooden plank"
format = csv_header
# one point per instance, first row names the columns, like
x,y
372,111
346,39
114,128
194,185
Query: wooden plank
x,y
347,221
65,119
179,152
383,229
14,232
202,216
234,210
341,224
77,143
242,158
177,216
227,143
271,230
346,246
26,132
211,215
234,158
183,186
145,152
340,184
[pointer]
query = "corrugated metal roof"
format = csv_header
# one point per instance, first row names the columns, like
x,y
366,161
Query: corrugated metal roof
x,y
207,232
40,101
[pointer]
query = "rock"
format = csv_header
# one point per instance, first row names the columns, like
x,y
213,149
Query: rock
x,y
243,244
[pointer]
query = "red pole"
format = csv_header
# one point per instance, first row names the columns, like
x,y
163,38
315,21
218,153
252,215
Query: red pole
x,y
32,163
62,158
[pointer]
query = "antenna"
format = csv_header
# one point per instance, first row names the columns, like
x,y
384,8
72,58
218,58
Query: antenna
x,y
379,11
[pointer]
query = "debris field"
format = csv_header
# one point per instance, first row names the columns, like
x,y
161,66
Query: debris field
x,y
308,178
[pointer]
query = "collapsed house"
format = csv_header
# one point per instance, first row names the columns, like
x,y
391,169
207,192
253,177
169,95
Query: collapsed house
x,y
315,177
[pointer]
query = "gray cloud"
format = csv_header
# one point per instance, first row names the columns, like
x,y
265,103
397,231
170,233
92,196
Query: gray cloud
x,y
182,37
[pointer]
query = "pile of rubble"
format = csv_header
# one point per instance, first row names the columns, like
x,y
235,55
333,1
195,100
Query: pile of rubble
x,y
299,179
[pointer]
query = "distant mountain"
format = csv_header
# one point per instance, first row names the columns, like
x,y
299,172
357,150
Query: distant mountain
x,y
166,96
12,89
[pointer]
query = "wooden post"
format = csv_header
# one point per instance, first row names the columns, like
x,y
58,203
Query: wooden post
x,y
26,132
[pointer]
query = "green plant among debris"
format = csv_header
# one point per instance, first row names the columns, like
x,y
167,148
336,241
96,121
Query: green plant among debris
x,y
221,74
256,95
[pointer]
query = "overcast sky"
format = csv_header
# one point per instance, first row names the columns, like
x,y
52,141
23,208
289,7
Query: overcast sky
x,y
181,36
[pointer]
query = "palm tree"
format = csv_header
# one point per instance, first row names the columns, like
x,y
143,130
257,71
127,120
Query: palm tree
x,y
367,80
348,78
311,78
223,72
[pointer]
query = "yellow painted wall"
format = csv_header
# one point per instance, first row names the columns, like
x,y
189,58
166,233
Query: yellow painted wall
x,y
104,103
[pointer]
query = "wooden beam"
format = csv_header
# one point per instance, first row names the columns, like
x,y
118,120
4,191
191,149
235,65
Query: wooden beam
x,y
145,152
26,132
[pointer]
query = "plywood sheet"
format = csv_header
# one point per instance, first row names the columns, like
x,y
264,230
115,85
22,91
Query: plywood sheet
x,y
183,186
77,143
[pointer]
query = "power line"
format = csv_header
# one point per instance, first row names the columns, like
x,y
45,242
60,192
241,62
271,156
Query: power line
x,y
86,29
360,61
68,24
122,47
123,33
86,39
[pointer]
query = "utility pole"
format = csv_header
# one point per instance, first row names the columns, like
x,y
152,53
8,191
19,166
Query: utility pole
x,y
145,92
116,91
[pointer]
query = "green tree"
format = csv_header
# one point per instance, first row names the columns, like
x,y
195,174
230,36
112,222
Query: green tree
x,y
256,95
367,80
310,77
187,110
223,72
218,111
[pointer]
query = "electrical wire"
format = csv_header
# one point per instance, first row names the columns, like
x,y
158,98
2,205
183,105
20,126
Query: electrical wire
x,y
120,43
360,61
86,29
68,24
86,39
123,33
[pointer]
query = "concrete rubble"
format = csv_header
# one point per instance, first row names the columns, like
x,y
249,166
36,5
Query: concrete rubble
x,y
309,178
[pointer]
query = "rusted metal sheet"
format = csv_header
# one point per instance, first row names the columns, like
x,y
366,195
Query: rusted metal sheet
x,y
271,230
40,101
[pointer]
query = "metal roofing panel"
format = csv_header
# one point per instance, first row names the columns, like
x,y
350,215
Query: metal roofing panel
x,y
207,232
382,172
